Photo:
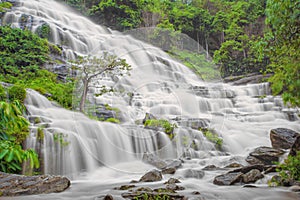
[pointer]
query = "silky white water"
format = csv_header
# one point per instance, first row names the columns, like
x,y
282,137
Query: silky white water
x,y
97,156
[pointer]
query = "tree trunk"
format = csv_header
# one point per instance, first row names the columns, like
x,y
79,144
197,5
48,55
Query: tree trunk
x,y
84,94
206,47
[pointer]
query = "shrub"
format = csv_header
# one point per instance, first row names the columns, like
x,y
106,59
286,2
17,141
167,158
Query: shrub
x,y
17,92
213,137
163,123
289,170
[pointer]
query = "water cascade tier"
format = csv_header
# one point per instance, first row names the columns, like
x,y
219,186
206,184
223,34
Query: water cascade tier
x,y
100,154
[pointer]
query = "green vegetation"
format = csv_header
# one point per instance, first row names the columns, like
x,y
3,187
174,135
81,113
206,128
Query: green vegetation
x,y
289,171
113,120
4,6
13,131
198,63
16,92
243,37
213,137
2,93
60,138
162,123
23,56
281,44
97,67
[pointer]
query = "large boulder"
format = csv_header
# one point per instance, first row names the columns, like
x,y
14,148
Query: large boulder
x,y
264,155
252,176
15,185
151,176
283,138
295,147
228,179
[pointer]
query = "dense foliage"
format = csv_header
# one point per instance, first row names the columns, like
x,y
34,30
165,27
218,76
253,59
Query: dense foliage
x,y
281,44
14,129
23,55
234,32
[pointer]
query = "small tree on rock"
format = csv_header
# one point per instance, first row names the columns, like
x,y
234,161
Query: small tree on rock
x,y
96,67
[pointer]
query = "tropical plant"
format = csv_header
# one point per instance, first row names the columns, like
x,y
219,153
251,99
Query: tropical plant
x,y
13,131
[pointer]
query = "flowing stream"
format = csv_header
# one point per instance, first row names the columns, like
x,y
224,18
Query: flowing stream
x,y
97,156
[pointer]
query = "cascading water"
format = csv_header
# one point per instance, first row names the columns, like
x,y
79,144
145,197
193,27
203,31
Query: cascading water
x,y
74,145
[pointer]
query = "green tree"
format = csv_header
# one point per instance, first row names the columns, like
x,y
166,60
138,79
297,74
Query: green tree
x,y
281,45
97,67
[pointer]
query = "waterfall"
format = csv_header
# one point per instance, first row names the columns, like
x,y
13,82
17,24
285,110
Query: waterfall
x,y
74,144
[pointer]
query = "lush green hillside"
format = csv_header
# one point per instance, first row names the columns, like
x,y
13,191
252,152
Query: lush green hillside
x,y
242,36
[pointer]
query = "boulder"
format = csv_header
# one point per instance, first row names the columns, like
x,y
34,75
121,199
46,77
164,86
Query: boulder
x,y
172,181
264,155
192,173
211,168
233,165
151,176
295,147
228,179
108,197
154,160
247,169
252,176
283,138
295,188
170,170
15,185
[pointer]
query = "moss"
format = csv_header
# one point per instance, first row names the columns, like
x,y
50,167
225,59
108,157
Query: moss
x,y
4,6
113,120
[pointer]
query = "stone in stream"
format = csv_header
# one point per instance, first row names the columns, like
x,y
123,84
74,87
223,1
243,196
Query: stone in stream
x,y
15,185
151,176
264,155
252,176
228,179
108,197
295,147
283,138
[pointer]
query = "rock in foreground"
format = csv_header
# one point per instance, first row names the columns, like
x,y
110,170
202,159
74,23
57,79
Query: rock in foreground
x,y
15,185
283,138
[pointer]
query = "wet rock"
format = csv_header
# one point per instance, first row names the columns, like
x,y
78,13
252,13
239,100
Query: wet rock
x,y
252,176
174,187
234,165
152,176
249,186
295,147
172,181
15,185
295,188
283,138
264,155
124,187
228,179
196,193
192,173
108,197
154,160
211,168
270,169
247,169
170,170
